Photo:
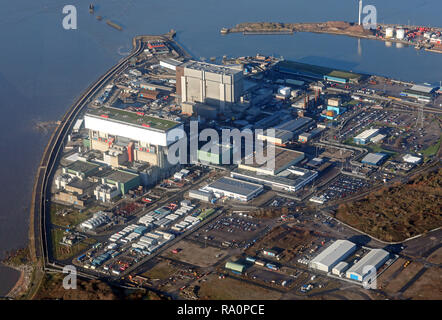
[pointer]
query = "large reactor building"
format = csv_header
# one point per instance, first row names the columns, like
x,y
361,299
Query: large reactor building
x,y
209,83
131,136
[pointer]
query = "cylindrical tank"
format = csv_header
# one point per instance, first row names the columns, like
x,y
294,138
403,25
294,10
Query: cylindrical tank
x,y
389,32
400,34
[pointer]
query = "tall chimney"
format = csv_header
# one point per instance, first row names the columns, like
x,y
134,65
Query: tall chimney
x,y
360,11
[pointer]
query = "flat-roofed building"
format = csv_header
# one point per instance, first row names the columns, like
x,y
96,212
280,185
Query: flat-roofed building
x,y
146,138
122,180
234,188
284,158
81,169
365,136
287,180
374,159
374,259
170,63
209,83
332,255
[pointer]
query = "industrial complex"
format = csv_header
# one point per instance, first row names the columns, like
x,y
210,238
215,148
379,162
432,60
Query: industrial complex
x,y
120,209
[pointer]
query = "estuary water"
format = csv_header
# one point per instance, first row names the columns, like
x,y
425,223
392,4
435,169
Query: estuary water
x,y
44,67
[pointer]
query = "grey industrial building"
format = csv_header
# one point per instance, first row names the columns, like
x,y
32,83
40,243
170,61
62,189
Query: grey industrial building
x,y
201,195
292,179
209,83
340,268
233,188
331,256
375,258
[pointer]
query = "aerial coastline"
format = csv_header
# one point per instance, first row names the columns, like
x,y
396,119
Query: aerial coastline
x,y
39,214
385,32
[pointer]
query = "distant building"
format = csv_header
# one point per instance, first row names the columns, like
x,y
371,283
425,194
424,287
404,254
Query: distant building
x,y
412,159
374,259
235,189
365,136
374,159
332,255
284,158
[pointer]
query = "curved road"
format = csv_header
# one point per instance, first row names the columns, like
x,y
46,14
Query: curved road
x,y
41,192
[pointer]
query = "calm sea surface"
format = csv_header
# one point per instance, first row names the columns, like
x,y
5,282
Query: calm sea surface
x,y
43,67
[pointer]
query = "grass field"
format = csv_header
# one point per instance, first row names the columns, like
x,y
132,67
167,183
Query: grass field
x,y
62,252
432,150
233,289
73,218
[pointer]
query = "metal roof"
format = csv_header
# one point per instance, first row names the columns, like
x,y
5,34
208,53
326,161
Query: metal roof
x,y
373,258
373,158
366,134
422,88
331,255
209,67
341,266
235,186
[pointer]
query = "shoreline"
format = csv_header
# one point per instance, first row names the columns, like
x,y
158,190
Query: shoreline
x,y
329,27
39,252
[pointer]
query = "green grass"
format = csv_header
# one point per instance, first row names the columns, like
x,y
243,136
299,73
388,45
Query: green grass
x,y
73,218
432,150
62,252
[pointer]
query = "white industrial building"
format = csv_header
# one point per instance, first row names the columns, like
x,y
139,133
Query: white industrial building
x,y
408,158
235,189
374,259
201,195
331,256
340,268
143,138
365,136
98,219
170,63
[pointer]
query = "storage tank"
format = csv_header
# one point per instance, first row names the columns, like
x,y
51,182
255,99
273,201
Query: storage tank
x,y
389,32
400,34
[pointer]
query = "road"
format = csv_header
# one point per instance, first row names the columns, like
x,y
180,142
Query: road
x,y
41,192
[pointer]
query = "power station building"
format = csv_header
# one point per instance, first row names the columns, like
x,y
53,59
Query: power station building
x,y
126,136
209,83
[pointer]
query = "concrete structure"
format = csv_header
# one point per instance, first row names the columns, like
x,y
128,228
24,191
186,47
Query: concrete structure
x,y
201,195
170,63
332,255
235,189
375,258
284,158
224,154
365,136
106,193
288,180
122,180
81,169
144,138
209,83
